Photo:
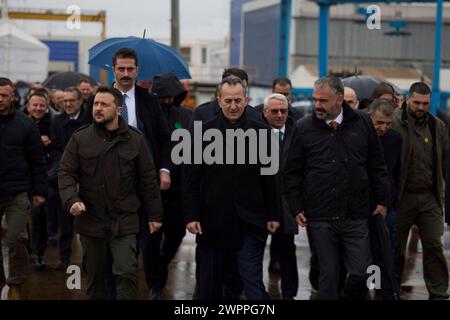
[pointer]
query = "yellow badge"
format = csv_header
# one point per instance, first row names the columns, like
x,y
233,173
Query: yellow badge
x,y
426,140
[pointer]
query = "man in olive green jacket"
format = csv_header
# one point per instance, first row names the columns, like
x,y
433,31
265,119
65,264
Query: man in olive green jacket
x,y
421,194
106,173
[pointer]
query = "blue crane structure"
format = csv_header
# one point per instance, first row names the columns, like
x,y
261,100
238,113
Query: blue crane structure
x,y
437,98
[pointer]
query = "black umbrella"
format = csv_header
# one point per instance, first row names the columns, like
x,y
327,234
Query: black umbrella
x,y
62,80
364,85
384,257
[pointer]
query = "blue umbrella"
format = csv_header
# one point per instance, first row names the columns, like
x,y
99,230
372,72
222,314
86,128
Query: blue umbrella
x,y
153,57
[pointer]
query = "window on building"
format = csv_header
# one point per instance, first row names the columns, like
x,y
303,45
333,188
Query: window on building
x,y
204,55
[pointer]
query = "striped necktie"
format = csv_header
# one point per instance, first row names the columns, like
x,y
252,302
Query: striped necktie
x,y
124,112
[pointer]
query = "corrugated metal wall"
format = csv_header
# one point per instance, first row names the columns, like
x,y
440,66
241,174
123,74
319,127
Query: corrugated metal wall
x,y
63,51
352,43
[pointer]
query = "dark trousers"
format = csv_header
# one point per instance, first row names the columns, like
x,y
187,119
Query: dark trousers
x,y
423,210
158,249
284,250
391,221
215,265
65,235
348,238
314,271
43,223
17,210
39,230
53,211
124,265
232,287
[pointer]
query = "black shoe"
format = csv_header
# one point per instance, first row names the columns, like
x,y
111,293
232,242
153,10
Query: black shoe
x,y
288,298
154,295
37,263
62,265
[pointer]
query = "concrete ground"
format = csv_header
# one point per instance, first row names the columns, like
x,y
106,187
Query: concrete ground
x,y
50,284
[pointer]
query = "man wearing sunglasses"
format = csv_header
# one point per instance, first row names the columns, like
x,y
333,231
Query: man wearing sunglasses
x,y
282,246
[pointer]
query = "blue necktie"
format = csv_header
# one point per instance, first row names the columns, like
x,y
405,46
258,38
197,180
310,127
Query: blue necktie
x,y
124,112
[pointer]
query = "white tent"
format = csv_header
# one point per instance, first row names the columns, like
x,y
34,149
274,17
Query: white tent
x,y
22,56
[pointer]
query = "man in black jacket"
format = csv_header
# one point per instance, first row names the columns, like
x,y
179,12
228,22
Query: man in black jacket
x,y
162,246
381,112
282,246
141,109
205,112
335,165
230,206
23,171
63,126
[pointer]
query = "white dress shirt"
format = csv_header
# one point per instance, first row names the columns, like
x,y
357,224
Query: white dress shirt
x,y
338,119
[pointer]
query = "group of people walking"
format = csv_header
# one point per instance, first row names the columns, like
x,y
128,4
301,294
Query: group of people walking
x,y
104,166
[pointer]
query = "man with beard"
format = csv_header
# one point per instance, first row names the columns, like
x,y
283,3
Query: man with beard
x,y
335,164
105,173
421,192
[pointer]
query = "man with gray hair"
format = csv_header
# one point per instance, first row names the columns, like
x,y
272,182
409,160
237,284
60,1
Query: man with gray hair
x,y
282,246
230,207
381,112
335,165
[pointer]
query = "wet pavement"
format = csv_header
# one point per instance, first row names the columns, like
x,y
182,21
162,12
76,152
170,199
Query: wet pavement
x,y
50,284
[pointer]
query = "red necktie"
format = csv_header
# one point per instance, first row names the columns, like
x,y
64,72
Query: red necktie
x,y
334,124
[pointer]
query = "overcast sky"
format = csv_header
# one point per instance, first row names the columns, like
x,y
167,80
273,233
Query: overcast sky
x,y
199,19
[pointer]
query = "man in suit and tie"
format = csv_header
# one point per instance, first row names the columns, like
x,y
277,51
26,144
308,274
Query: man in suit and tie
x,y
282,246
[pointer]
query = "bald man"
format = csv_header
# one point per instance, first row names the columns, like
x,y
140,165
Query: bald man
x,y
351,98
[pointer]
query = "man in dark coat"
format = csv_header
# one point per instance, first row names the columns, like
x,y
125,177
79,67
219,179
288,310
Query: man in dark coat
x,y
283,86
422,181
105,174
335,165
159,248
205,112
37,109
381,112
230,206
63,126
282,246
141,110
23,172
